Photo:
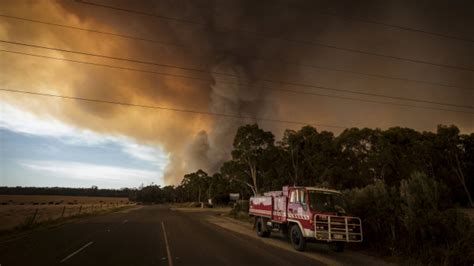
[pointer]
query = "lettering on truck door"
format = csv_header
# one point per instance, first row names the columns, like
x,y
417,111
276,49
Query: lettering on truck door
x,y
298,210
295,209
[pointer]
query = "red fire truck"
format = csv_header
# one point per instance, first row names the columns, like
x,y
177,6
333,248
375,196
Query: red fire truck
x,y
306,214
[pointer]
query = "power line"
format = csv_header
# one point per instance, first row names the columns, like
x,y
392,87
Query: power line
x,y
369,21
263,86
264,35
172,109
240,55
91,30
141,13
110,57
303,65
235,76
379,95
109,66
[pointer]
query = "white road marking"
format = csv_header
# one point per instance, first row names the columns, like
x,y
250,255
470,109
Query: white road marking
x,y
168,252
77,251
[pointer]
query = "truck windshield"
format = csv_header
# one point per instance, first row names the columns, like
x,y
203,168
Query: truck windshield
x,y
326,201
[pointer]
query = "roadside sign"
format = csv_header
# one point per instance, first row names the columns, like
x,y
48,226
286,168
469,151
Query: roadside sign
x,y
234,196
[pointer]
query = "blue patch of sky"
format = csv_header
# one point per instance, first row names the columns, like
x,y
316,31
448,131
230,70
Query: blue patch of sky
x,y
17,148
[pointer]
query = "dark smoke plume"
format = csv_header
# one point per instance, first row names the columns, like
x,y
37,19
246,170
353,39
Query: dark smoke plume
x,y
222,39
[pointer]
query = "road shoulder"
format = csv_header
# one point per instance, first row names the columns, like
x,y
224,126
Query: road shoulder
x,y
317,252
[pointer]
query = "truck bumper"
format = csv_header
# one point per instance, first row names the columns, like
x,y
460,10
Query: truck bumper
x,y
337,228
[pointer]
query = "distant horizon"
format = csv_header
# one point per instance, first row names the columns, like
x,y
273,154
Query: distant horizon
x,y
71,187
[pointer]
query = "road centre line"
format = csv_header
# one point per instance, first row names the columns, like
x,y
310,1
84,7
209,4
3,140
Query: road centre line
x,y
168,252
75,252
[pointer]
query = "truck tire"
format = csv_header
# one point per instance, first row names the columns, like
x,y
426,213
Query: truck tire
x,y
297,239
261,228
337,246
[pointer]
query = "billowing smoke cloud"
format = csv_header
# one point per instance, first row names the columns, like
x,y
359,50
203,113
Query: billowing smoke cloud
x,y
212,45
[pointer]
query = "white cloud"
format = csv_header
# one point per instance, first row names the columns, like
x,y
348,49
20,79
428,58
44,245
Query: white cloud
x,y
146,153
92,172
17,120
20,121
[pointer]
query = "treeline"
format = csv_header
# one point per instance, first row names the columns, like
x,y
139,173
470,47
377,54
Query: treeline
x,y
354,159
404,184
64,191
195,187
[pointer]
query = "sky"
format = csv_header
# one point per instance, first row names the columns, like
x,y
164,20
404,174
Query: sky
x,y
47,152
243,58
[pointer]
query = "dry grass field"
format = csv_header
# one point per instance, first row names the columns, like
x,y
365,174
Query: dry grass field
x,y
16,210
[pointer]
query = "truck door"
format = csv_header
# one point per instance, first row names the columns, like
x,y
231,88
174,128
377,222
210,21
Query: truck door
x,y
297,204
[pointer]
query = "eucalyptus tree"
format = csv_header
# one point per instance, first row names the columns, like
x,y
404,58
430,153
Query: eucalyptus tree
x,y
250,149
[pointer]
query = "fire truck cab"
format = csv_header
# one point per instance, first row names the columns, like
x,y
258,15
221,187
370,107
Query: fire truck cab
x,y
306,214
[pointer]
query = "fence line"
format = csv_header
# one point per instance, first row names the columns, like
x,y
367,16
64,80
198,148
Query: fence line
x,y
44,214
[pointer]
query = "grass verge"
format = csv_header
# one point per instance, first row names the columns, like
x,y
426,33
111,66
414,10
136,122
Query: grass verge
x,y
30,225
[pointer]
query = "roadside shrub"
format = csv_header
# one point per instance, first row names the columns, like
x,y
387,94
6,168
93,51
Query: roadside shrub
x,y
241,206
378,207
240,211
435,233
415,220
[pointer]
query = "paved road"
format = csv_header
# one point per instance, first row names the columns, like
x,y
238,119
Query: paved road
x,y
152,235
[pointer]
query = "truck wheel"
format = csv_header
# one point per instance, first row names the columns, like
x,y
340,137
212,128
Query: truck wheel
x,y
337,246
297,239
262,228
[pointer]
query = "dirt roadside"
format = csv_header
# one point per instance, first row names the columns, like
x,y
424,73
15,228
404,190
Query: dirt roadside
x,y
318,252
15,234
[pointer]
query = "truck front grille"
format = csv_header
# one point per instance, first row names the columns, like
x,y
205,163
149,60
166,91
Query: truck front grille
x,y
337,228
